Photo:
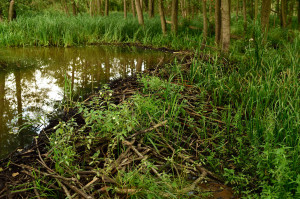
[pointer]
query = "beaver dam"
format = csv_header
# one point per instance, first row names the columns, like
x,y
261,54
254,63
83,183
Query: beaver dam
x,y
140,135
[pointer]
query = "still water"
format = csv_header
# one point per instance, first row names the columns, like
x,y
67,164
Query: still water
x,y
32,81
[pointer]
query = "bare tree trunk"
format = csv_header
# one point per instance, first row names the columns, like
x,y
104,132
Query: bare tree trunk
x,y
225,25
99,7
132,8
298,14
141,3
151,8
106,7
162,16
245,14
74,8
217,21
125,9
205,27
283,13
1,15
291,12
11,10
265,15
255,9
65,6
174,16
139,12
209,9
91,8
237,9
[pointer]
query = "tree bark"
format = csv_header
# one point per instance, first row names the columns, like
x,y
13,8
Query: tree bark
x,y
291,12
265,15
74,8
174,18
1,15
217,21
205,27
255,10
132,8
11,10
162,16
245,15
125,9
225,10
99,7
298,14
151,8
237,9
65,6
139,12
283,13
106,7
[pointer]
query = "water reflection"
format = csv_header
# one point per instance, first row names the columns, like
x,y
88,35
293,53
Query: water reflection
x,y
33,79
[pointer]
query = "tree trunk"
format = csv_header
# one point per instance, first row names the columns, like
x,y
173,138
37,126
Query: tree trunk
x,y
139,12
283,13
291,12
151,8
174,16
106,7
265,15
162,16
217,21
210,9
255,9
11,10
237,9
245,15
132,8
91,8
225,25
99,7
125,9
205,27
1,15
65,6
74,8
298,14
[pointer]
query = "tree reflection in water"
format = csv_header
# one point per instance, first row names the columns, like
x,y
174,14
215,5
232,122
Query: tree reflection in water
x,y
34,79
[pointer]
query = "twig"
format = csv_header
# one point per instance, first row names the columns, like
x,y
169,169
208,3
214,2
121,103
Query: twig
x,y
35,190
149,129
64,188
126,191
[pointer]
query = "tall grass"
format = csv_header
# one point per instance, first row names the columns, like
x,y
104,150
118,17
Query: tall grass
x,y
262,95
62,30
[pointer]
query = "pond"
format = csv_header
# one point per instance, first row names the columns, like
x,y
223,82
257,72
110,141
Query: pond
x,y
33,80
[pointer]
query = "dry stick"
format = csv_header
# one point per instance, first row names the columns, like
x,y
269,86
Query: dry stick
x,y
44,173
126,191
64,188
95,179
159,133
149,129
47,183
199,168
192,186
79,191
104,177
192,112
35,190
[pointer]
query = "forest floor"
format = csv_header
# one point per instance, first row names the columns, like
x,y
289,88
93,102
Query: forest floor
x,y
164,158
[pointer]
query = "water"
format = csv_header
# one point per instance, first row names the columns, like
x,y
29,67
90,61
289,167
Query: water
x,y
32,80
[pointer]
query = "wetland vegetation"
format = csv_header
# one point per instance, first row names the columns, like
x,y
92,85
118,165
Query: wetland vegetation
x,y
219,119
